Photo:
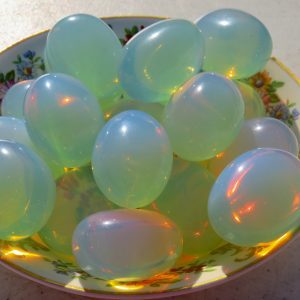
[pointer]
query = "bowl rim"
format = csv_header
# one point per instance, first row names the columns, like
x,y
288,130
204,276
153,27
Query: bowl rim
x,y
148,295
37,34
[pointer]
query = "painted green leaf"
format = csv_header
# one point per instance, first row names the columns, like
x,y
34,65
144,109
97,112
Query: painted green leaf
x,y
10,75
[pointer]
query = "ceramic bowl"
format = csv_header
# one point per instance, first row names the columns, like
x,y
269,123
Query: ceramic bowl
x,y
32,259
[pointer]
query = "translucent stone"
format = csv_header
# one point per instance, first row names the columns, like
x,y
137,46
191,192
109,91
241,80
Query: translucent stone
x,y
153,109
237,45
161,58
13,101
254,107
184,201
256,133
13,129
86,48
27,192
204,116
256,199
132,159
78,195
126,244
63,119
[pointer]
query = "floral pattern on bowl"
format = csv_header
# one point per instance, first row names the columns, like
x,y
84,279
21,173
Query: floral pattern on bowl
x,y
280,92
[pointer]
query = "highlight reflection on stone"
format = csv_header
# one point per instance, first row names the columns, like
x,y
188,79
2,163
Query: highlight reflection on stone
x,y
63,119
126,244
256,199
159,59
204,116
237,44
85,47
27,191
132,159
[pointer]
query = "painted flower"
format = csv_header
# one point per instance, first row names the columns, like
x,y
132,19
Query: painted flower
x,y
29,54
274,105
280,111
295,114
130,32
25,70
29,66
260,80
6,82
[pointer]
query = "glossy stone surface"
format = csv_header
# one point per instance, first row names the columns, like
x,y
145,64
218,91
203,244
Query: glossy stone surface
x,y
27,192
278,277
132,159
204,116
13,129
256,199
86,48
153,109
77,196
13,101
184,201
254,106
256,133
159,59
63,119
237,44
126,244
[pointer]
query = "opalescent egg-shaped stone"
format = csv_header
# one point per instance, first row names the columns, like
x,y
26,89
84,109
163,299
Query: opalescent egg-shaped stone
x,y
256,133
204,116
77,196
63,119
132,159
13,129
27,192
184,201
126,244
13,101
256,199
237,44
46,62
86,48
160,58
254,106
